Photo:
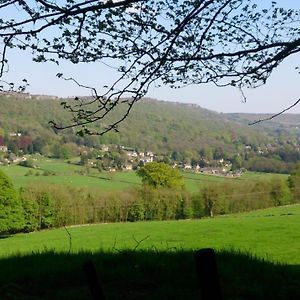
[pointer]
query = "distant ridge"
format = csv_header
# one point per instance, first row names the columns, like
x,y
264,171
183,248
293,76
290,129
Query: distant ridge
x,y
287,118
18,95
160,126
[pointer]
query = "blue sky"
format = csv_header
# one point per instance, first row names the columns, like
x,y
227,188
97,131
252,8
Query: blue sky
x,y
281,90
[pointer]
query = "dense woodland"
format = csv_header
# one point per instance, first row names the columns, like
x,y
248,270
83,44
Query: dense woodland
x,y
181,133
44,206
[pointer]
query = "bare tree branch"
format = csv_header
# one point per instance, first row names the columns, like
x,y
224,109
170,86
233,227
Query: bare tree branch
x,y
176,43
276,115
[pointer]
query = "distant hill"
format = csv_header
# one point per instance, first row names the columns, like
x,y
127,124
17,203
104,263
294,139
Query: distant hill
x,y
153,125
286,126
177,126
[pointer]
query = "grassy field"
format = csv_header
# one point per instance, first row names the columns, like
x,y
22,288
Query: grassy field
x,y
272,234
71,174
257,253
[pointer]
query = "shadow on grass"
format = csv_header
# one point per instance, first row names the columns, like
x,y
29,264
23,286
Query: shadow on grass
x,y
143,275
4,236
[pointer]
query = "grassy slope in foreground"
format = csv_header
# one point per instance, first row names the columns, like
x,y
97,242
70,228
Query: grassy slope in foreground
x,y
272,234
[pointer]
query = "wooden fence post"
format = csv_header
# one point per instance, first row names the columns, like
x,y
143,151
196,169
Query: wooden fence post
x,y
93,281
208,274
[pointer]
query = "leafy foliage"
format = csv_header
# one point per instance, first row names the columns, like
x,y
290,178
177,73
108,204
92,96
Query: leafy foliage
x,y
47,206
294,181
152,126
160,175
11,211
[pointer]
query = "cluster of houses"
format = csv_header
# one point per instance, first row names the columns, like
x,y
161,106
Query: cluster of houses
x,y
133,158
8,157
134,155
11,158
223,168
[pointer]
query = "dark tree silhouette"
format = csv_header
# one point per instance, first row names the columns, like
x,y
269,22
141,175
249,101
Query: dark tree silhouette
x,y
173,42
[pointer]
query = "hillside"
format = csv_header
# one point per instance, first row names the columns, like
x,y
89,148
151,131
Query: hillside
x,y
286,125
153,125
185,134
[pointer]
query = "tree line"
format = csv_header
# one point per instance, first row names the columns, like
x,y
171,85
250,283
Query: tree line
x,y
48,206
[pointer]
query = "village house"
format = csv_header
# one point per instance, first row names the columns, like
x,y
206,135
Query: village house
x,y
187,167
91,163
14,134
105,148
16,159
147,159
127,167
197,168
213,171
131,153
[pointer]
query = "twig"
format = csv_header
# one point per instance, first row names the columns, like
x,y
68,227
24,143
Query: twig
x,y
70,239
244,98
114,245
3,59
276,115
140,241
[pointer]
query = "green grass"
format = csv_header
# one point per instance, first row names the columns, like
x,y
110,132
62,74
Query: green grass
x,y
259,176
257,253
194,181
68,174
272,234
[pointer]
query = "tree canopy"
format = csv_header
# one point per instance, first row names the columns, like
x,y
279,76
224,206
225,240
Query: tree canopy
x,y
294,181
11,211
160,175
175,43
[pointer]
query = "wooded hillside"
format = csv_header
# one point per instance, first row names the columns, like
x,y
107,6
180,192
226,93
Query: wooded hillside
x,y
182,133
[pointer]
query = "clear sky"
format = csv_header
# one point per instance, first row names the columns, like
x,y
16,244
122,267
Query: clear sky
x,y
282,89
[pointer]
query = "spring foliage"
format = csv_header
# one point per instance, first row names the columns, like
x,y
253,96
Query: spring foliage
x,y
294,181
11,211
47,206
158,174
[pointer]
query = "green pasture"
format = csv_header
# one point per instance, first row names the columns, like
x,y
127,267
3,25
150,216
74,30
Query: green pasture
x,y
257,257
271,234
72,175
260,176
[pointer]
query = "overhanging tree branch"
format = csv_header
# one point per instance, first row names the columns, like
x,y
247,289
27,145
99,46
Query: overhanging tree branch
x,y
276,115
174,43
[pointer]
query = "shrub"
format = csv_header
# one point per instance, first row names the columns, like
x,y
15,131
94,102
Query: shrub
x,y
29,163
136,212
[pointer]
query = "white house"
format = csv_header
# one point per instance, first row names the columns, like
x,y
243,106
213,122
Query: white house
x,y
3,148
